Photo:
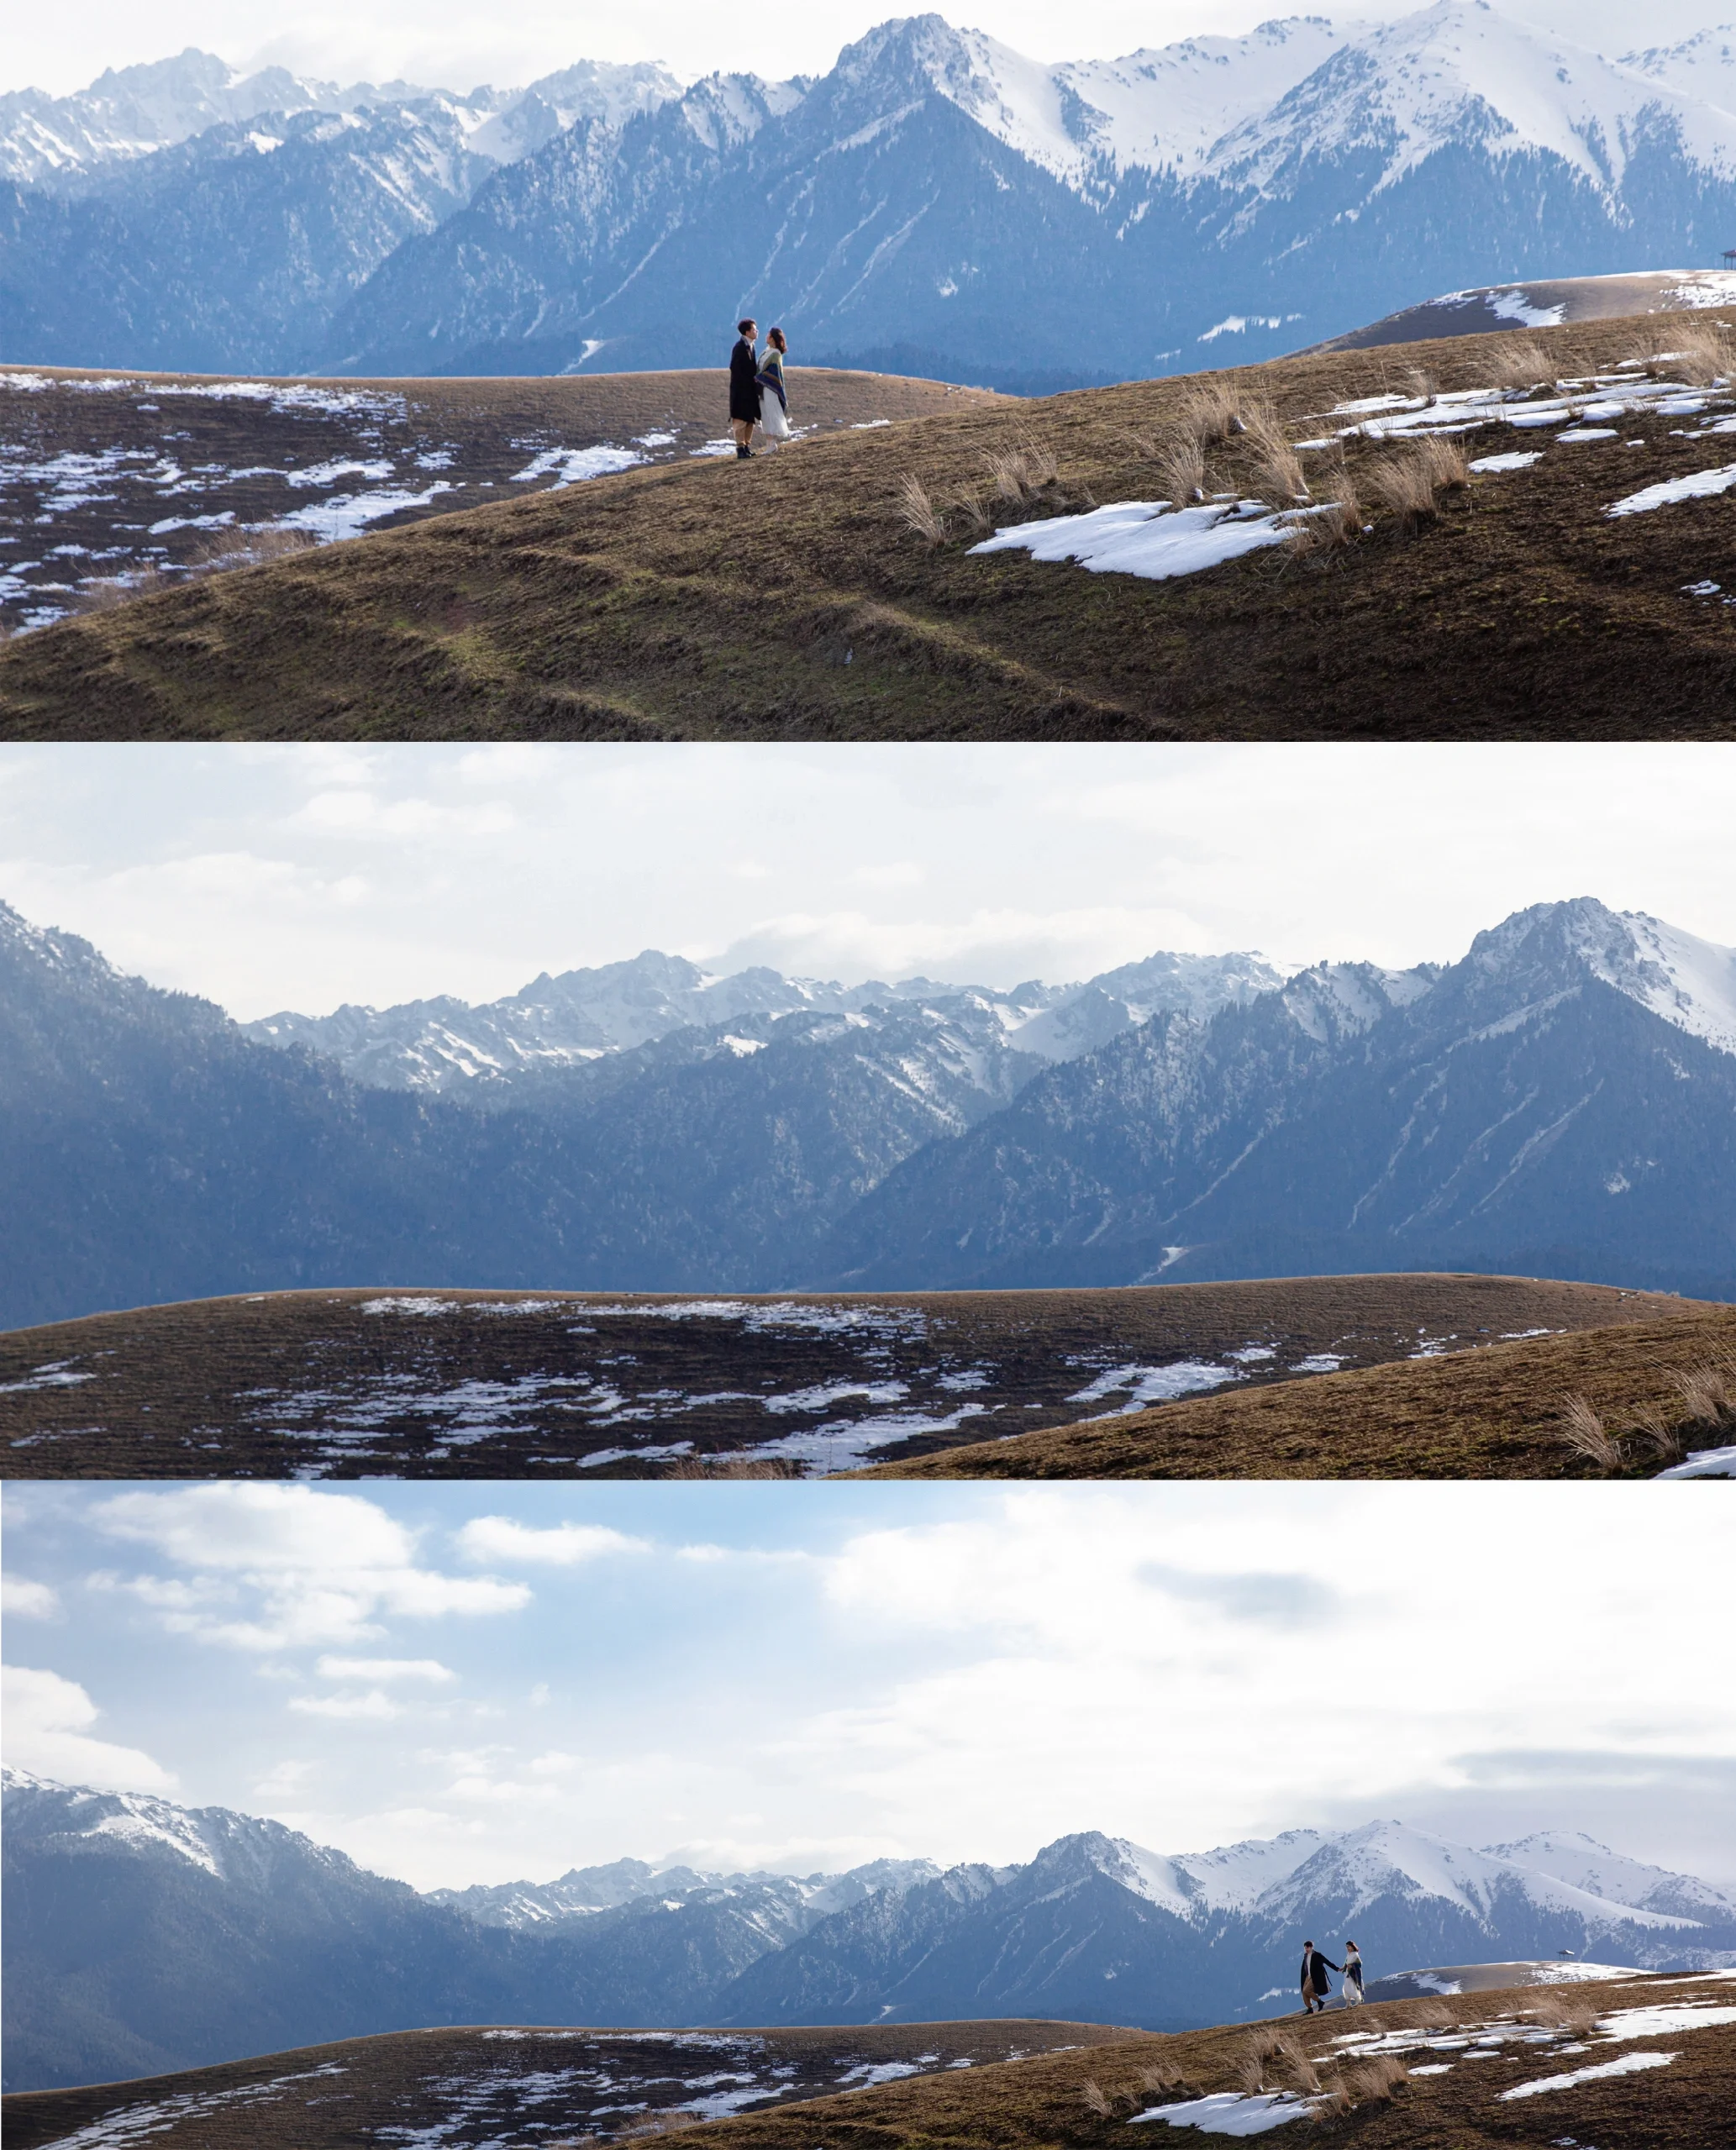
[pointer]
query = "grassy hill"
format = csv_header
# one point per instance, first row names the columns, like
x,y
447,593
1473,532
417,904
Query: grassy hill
x,y
105,475
1425,2075
792,598
347,1383
1498,1411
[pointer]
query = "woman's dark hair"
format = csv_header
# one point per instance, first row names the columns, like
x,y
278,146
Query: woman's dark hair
x,y
743,327
776,336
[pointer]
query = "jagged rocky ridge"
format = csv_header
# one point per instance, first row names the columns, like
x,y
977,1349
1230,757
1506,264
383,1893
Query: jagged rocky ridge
x,y
935,203
1562,1101
144,1936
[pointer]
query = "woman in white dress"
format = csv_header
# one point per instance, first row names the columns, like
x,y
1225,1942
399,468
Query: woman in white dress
x,y
774,394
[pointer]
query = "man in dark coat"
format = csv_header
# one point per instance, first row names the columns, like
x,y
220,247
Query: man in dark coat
x,y
743,390
1315,1984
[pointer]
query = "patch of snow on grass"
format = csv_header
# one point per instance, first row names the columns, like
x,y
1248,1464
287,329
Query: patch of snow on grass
x,y
1227,2113
1320,1362
350,513
1588,432
1515,458
409,1303
1656,2023
134,2123
1137,537
328,474
843,1442
56,1375
1705,1463
866,2073
820,1399
1698,485
1149,1384
1632,2063
573,465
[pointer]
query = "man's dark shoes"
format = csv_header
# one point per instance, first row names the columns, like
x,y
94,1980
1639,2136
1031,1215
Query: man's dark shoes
x,y
743,455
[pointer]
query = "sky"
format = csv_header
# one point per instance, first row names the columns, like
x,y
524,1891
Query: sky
x,y
300,877
452,43
465,1682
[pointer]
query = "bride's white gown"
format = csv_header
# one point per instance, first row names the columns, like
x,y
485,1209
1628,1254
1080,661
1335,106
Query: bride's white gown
x,y
774,419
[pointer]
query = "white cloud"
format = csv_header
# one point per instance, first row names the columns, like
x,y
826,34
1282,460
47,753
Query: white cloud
x,y
28,1600
567,1545
376,1703
279,1567
46,1731
423,1669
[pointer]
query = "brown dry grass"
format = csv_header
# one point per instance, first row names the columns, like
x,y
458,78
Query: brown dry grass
x,y
1489,1413
634,607
1519,361
168,1388
1277,469
1703,352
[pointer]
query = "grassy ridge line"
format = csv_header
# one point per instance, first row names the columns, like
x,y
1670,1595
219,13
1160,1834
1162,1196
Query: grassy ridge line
x,y
790,599
1489,1412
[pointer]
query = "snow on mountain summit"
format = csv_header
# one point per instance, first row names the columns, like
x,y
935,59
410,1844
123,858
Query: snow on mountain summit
x,y
1459,72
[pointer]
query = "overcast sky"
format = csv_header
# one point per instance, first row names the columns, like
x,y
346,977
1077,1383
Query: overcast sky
x,y
452,43
464,1682
302,876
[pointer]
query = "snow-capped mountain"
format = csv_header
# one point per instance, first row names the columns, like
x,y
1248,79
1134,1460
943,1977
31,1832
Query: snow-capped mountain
x,y
937,201
191,1935
1570,1084
444,1044
130,113
1562,1102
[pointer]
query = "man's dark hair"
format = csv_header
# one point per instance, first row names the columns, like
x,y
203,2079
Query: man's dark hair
x,y
743,327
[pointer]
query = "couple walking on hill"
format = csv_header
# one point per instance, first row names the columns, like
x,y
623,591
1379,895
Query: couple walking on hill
x,y
757,394
1315,1984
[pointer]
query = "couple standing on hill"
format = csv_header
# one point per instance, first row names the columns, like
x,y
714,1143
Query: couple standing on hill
x,y
1315,1985
757,394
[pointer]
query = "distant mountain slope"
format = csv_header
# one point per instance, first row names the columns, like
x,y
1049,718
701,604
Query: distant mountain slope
x,y
557,1023
934,203
1356,1118
141,1934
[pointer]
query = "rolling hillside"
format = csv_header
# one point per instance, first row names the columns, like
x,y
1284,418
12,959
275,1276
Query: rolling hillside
x,y
1647,2063
520,1385
1573,585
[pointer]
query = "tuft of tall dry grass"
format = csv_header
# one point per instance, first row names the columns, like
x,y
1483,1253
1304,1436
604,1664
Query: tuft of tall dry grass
x,y
1209,412
1401,485
1422,383
1582,1429
918,513
1020,474
1298,2065
1091,2095
1704,352
1565,2011
1181,469
978,522
1336,519
1518,361
1162,2075
1430,2016
734,1466
1250,2072
1369,2081
1441,461
1708,1394
1659,1432
1277,467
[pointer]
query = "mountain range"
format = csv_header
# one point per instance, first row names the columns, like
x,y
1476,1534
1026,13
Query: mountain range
x,y
936,204
1562,1102
143,1935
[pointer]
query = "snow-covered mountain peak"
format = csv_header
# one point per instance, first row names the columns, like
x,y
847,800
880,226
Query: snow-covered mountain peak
x,y
1570,1856
1458,73
1690,982
1343,1000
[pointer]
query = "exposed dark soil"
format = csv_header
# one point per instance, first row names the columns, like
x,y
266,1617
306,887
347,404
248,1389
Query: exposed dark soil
x,y
1078,2099
519,1384
787,599
1491,1413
